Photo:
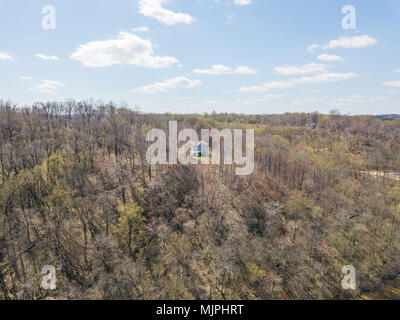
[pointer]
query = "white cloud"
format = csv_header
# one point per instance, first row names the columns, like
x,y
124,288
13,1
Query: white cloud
x,y
329,57
264,98
140,29
305,101
219,69
44,57
347,42
164,86
392,84
299,70
48,86
244,70
209,102
397,70
5,56
25,78
357,99
354,42
312,47
242,2
321,78
154,9
126,49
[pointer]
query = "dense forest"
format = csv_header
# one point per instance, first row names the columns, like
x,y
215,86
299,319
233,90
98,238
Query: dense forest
x,y
77,192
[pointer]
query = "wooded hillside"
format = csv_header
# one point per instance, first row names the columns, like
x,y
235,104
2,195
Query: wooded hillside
x,y
77,192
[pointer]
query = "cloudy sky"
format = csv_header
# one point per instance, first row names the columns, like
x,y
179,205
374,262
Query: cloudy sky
x,y
245,56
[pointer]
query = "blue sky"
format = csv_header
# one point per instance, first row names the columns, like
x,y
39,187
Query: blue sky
x,y
194,56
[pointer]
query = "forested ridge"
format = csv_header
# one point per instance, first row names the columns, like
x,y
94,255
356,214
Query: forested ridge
x,y
77,192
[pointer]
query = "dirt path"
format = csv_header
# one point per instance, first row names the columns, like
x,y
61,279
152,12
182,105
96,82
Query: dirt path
x,y
389,175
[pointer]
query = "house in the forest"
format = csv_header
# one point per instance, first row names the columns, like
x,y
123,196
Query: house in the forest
x,y
200,149
311,125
